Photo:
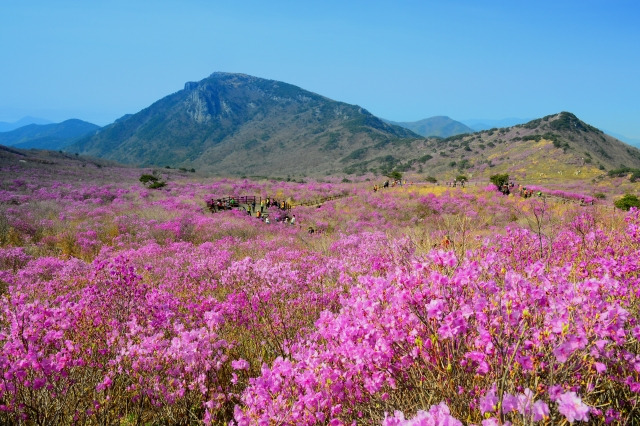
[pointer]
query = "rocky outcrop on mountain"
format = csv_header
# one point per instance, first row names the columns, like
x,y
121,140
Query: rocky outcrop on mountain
x,y
236,124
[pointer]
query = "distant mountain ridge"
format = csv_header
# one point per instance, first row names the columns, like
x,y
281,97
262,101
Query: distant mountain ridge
x,y
479,124
24,121
439,126
239,124
48,136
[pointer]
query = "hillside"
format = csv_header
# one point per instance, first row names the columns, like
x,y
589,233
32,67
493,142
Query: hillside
x,y
235,124
558,146
47,136
440,126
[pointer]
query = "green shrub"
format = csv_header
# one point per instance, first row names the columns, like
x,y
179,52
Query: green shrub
x,y
148,178
626,202
157,185
499,179
152,181
395,175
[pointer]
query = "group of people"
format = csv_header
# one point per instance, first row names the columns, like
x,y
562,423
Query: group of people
x,y
284,219
527,193
269,202
509,187
387,184
456,182
222,204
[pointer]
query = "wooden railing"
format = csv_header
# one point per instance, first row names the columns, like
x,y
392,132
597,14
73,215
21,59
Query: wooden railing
x,y
252,203
319,201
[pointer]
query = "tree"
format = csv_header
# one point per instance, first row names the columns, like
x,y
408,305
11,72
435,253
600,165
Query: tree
x,y
395,175
147,179
461,178
626,202
499,179
152,182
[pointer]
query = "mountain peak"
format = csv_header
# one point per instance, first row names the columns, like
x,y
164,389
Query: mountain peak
x,y
235,124
562,121
439,126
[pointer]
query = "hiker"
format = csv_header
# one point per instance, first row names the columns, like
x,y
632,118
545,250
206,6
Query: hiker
x,y
311,230
266,220
293,220
445,242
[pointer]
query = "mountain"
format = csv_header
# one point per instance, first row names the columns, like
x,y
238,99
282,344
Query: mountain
x,y
440,126
556,147
47,136
479,124
236,124
24,121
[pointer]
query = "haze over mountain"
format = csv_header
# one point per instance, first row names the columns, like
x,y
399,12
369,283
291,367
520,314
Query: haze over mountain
x,y
24,121
48,136
478,124
234,124
440,126
625,139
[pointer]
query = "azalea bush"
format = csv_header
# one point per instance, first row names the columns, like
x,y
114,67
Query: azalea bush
x,y
124,305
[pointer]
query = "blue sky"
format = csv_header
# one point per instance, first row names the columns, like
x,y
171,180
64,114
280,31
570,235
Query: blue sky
x,y
401,60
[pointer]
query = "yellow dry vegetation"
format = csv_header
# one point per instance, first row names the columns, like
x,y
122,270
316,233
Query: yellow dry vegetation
x,y
436,190
543,163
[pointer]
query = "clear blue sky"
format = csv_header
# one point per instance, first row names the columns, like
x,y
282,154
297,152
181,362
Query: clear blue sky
x,y
401,60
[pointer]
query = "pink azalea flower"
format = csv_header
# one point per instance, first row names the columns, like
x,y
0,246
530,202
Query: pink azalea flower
x,y
540,410
240,364
489,402
571,406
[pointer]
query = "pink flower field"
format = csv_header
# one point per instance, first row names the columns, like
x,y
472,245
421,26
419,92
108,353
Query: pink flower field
x,y
126,305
